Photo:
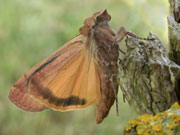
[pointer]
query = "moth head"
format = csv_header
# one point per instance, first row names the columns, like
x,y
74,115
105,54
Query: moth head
x,y
98,18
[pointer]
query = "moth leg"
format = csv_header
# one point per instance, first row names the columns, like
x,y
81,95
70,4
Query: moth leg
x,y
122,33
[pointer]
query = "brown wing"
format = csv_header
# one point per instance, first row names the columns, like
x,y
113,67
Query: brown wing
x,y
66,80
73,85
19,94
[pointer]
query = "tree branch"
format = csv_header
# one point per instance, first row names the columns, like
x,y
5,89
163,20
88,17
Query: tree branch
x,y
174,30
147,77
150,80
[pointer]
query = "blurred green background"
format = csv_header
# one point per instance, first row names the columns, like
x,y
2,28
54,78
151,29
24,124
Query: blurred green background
x,y
31,30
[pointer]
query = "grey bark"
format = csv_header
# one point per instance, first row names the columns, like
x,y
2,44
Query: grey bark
x,y
147,77
174,30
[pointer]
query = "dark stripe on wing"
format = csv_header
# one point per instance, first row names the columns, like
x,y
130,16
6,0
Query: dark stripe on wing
x,y
44,65
48,62
46,94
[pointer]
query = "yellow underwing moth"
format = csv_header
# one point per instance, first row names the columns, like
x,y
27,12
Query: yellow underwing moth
x,y
80,73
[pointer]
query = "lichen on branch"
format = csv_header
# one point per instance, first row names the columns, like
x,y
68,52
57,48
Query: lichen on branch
x,y
165,123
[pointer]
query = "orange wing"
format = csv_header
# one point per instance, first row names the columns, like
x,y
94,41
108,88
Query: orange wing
x,y
65,80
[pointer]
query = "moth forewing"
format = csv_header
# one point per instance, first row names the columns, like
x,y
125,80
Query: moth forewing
x,y
107,59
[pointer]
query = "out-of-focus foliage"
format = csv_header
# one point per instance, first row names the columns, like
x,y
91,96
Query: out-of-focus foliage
x,y
31,30
166,123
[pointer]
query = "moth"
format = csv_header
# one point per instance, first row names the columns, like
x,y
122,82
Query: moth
x,y
81,73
